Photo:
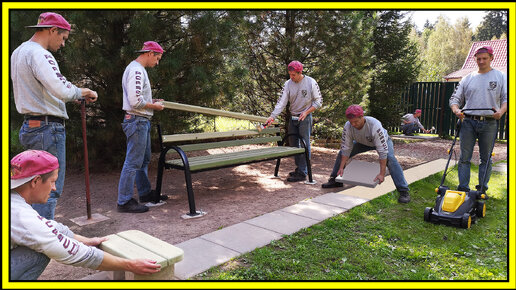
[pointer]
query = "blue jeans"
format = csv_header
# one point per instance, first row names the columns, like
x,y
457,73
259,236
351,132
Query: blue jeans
x,y
409,128
471,130
50,137
137,158
26,264
304,129
395,169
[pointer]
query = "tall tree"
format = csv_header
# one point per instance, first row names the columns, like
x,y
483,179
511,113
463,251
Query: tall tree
x,y
494,25
395,65
334,47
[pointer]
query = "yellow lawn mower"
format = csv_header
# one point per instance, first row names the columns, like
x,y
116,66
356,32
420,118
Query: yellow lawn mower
x,y
459,208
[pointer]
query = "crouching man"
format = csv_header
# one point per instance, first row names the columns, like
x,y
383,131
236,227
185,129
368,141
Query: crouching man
x,y
35,240
361,134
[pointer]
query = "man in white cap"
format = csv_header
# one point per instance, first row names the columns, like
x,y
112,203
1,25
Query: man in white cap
x,y
35,240
485,88
305,97
41,93
139,107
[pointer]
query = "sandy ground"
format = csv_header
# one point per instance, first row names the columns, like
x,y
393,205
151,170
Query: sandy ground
x,y
229,196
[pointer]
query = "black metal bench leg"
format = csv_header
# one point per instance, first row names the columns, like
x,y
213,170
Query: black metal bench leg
x,y
159,179
276,171
189,190
309,167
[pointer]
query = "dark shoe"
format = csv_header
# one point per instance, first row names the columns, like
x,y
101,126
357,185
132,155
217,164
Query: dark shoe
x,y
295,172
332,183
297,177
404,197
132,206
150,197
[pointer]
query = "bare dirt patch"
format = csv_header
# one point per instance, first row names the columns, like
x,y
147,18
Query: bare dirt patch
x,y
229,196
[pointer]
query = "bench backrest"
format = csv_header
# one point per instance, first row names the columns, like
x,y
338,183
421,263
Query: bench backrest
x,y
242,137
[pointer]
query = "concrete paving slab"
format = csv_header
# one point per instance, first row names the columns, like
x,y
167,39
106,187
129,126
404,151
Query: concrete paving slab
x,y
242,237
339,200
402,136
360,173
314,210
411,175
199,256
282,222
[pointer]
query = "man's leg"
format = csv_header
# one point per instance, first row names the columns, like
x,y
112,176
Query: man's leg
x,y
395,169
135,130
486,135
468,138
50,137
304,130
26,264
142,179
357,148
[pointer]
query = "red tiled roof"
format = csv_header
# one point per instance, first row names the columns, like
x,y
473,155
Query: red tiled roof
x,y
499,62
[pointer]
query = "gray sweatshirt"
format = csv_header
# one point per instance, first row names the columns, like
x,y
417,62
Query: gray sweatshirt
x,y
478,91
38,85
49,237
137,90
410,118
301,96
372,134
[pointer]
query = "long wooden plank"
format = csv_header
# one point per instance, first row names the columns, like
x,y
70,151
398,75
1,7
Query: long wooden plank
x,y
209,111
224,144
215,135
219,160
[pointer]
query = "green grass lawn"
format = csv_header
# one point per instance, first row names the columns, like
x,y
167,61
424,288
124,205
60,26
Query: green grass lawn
x,y
384,240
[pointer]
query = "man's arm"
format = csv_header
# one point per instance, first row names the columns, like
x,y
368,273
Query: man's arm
x,y
381,176
138,266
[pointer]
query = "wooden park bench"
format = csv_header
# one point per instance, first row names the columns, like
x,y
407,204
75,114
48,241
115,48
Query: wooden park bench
x,y
135,244
184,144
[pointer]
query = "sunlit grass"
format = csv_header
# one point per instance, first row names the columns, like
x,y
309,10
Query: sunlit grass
x,y
385,240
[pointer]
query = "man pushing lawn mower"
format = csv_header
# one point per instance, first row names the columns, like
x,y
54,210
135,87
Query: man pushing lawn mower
x,y
483,94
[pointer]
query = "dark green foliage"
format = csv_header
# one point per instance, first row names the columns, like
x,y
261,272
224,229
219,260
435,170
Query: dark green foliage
x,y
494,25
395,65
233,60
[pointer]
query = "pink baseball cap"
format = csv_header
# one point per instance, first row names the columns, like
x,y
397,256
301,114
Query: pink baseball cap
x,y
484,48
29,164
354,111
151,46
51,19
418,111
295,66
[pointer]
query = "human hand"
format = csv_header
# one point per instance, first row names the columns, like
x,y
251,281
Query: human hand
x,y
157,100
269,121
89,95
497,115
158,106
303,115
143,266
459,114
380,178
340,172
95,241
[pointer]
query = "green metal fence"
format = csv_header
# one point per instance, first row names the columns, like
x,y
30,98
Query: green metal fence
x,y
432,98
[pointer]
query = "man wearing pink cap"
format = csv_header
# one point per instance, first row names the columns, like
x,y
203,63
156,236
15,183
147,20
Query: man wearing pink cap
x,y
363,133
139,107
305,97
35,240
410,123
41,93
485,88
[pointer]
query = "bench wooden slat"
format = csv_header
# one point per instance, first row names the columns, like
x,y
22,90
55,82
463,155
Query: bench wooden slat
x,y
219,160
216,112
171,253
231,143
215,135
120,247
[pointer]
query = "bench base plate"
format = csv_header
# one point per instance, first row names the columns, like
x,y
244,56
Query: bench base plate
x,y
198,214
